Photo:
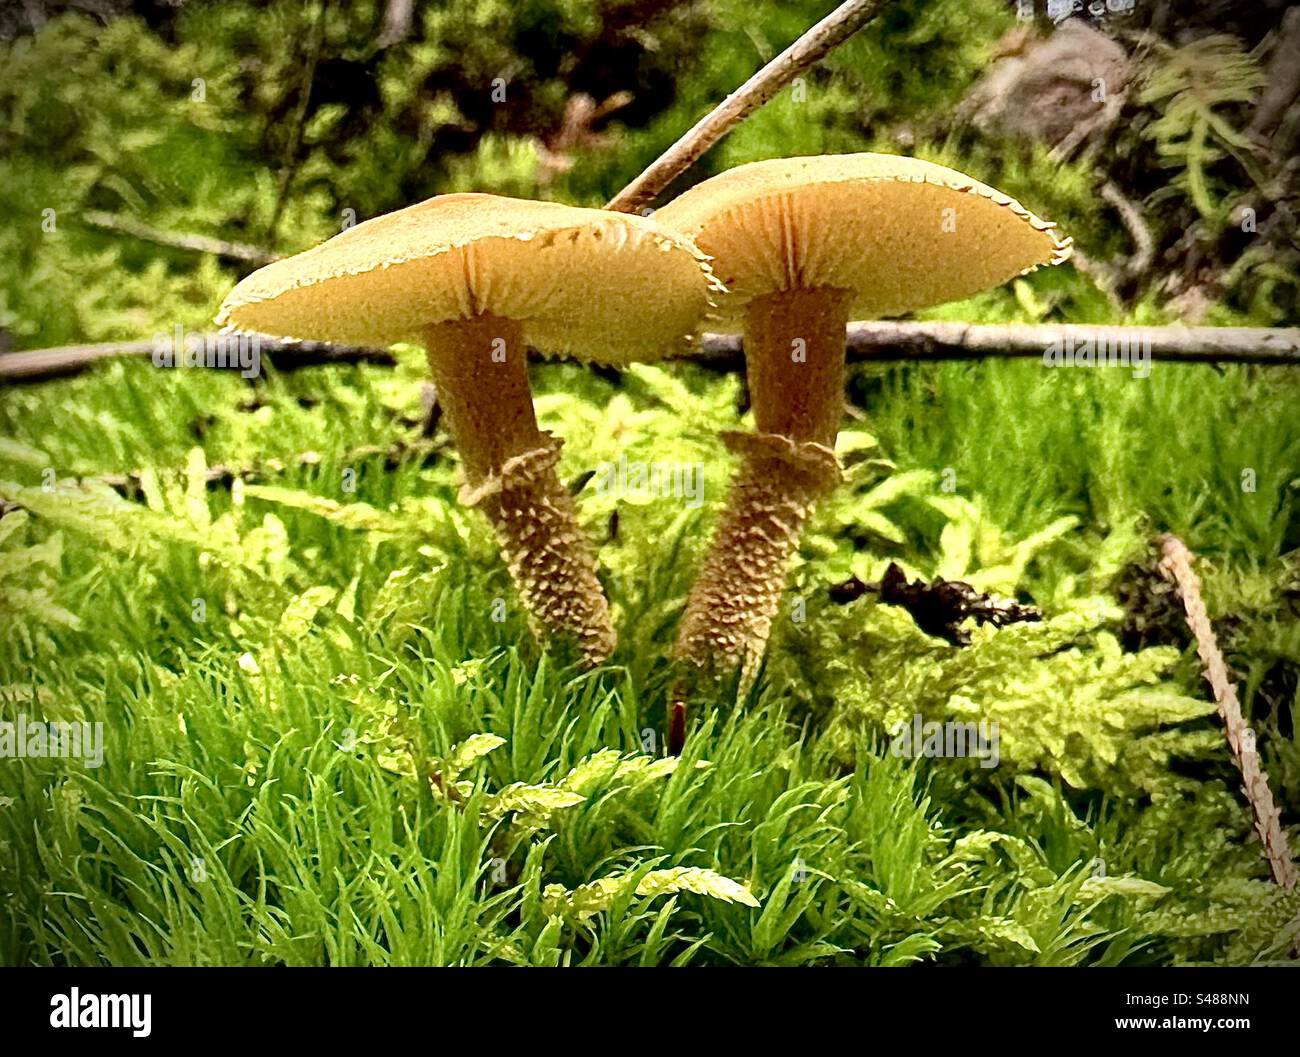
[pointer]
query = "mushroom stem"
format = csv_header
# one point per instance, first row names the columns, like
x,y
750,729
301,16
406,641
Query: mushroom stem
x,y
795,362
480,367
794,345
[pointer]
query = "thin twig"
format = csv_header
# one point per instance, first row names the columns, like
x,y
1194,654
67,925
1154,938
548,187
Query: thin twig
x,y
834,29
288,168
137,229
1143,243
38,365
1176,565
875,341
886,341
1109,276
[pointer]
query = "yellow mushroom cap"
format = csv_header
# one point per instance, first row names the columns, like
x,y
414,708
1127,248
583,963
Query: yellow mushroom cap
x,y
900,233
582,282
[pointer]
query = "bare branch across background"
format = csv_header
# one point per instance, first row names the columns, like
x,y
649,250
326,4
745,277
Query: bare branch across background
x,y
38,365
888,340
877,341
831,31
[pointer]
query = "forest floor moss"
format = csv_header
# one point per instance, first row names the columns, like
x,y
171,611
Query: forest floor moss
x,y
281,661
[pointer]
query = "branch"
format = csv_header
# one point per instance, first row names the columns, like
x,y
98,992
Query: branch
x,y
37,365
834,29
1176,565
874,341
288,168
137,229
884,341
1143,244
1109,276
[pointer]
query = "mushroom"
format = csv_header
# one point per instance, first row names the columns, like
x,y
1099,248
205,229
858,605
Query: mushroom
x,y
801,246
477,279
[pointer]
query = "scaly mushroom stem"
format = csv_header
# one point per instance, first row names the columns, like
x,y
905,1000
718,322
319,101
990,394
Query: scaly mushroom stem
x,y
794,347
480,368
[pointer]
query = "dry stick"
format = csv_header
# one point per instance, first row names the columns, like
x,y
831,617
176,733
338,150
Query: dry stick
x,y
1108,276
834,29
888,340
1176,565
289,167
37,365
1143,243
877,341
137,229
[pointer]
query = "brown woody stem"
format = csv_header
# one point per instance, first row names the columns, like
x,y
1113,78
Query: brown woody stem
x,y
794,344
480,368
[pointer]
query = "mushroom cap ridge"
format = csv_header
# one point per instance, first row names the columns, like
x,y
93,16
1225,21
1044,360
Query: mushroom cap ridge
x,y
900,233
582,282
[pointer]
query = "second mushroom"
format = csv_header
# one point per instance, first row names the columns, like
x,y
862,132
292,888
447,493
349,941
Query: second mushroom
x,y
803,245
478,279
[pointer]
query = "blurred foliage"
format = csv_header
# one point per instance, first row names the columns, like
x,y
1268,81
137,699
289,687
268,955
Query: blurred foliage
x,y
200,120
192,125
